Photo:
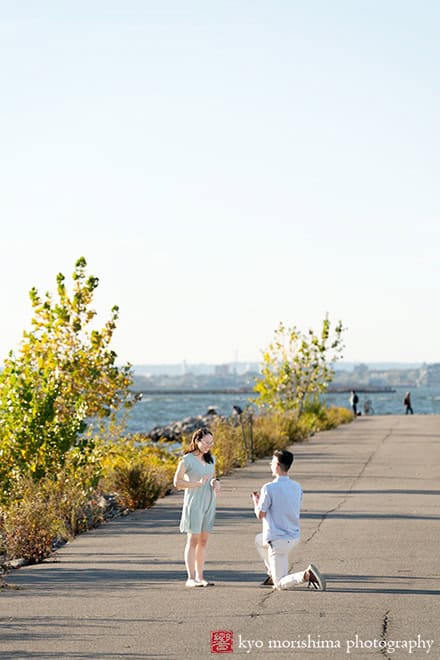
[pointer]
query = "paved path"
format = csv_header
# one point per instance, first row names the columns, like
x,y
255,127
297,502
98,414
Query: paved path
x,y
371,522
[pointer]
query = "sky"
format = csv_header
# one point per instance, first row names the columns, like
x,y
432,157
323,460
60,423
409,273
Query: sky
x,y
225,166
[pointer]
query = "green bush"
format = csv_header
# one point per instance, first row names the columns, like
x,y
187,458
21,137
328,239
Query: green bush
x,y
270,431
336,416
137,486
137,473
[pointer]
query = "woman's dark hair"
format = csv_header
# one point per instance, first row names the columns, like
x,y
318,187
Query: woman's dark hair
x,y
196,437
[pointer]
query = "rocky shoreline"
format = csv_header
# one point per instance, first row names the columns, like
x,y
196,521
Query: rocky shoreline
x,y
174,431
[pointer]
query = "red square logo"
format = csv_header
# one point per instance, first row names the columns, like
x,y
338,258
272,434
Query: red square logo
x,y
221,641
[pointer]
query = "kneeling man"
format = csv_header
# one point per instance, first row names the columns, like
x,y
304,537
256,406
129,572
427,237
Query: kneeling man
x,y
279,506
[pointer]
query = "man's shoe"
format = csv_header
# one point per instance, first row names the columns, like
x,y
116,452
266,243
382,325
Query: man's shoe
x,y
193,583
206,583
316,580
268,582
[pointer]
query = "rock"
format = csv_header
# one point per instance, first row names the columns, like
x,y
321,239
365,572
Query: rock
x,y
58,542
175,430
102,502
16,563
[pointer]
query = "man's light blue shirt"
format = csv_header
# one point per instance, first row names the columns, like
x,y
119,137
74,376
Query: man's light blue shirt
x,y
280,500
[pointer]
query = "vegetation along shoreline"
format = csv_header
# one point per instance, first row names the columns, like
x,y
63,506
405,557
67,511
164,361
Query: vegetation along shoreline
x,y
67,462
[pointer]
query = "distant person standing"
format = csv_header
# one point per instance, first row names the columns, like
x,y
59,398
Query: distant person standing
x,y
407,404
354,400
237,412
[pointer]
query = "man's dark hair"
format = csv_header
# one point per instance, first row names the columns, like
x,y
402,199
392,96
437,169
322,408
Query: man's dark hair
x,y
285,458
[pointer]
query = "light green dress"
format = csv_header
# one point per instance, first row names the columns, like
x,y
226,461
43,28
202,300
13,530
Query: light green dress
x,y
198,511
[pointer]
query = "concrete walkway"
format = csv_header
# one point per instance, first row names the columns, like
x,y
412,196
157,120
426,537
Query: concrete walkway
x,y
370,522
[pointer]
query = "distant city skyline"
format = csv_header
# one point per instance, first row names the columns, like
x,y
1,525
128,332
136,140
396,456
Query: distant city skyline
x,y
207,367
224,167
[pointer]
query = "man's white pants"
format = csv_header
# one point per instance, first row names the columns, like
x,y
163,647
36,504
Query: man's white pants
x,y
276,559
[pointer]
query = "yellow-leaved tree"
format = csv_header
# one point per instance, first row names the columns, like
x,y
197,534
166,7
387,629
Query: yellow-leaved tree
x,y
62,375
297,367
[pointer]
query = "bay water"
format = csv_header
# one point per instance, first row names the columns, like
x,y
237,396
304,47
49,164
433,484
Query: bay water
x,y
161,409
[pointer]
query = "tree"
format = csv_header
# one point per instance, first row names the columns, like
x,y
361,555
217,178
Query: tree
x,y
64,375
296,367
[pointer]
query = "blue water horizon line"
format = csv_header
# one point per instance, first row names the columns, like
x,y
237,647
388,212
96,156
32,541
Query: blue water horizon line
x,y
159,409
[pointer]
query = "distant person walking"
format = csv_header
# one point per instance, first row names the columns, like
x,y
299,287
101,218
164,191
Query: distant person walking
x,y
195,475
278,506
354,400
407,404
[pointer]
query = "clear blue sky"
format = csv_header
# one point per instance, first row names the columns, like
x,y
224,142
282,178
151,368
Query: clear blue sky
x,y
224,166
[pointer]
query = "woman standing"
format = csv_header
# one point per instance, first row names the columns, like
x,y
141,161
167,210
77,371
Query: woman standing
x,y
196,475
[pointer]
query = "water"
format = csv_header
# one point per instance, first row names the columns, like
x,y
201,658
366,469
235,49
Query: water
x,y
160,409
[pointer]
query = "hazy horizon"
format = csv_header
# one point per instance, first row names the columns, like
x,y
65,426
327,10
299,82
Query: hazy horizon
x,y
338,366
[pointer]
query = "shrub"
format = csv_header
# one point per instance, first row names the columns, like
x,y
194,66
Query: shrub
x,y
72,494
37,513
337,416
136,472
137,486
317,417
30,524
270,432
229,448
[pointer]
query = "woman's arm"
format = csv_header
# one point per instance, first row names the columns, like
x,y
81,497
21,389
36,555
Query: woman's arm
x,y
181,483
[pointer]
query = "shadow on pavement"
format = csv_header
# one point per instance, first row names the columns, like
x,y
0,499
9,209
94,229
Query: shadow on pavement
x,y
385,491
350,515
386,584
67,582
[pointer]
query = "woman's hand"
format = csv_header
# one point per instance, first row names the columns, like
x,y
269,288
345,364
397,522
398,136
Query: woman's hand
x,y
215,485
